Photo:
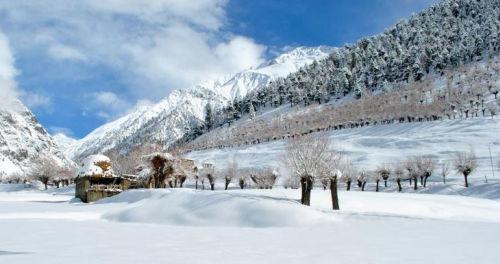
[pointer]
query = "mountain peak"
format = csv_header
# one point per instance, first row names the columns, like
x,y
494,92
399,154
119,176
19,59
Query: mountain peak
x,y
167,120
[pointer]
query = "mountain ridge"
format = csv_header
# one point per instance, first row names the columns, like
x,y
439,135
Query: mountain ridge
x,y
23,140
168,120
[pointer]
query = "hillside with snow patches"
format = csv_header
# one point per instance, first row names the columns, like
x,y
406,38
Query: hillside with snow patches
x,y
168,120
23,140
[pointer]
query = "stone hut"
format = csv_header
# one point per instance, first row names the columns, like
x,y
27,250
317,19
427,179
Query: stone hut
x,y
96,180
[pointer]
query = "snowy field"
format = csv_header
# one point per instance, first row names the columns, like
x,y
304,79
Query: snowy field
x,y
250,226
371,146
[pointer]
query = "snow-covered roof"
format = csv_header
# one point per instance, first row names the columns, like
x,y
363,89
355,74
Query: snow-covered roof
x,y
89,166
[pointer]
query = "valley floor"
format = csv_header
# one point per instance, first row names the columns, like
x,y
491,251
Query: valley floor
x,y
250,226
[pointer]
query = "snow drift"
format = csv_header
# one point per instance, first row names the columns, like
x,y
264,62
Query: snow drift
x,y
204,208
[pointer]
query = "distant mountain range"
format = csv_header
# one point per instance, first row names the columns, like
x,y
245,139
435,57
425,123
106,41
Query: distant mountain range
x,y
168,120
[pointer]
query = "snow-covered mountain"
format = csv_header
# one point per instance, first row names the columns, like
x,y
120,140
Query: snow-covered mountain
x,y
23,140
168,120
64,142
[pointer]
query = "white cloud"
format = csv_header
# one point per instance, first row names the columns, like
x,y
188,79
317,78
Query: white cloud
x,y
35,100
8,86
55,130
157,45
63,52
106,105
9,92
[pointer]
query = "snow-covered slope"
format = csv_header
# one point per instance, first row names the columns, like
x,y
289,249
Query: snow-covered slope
x,y
371,146
167,120
23,140
64,142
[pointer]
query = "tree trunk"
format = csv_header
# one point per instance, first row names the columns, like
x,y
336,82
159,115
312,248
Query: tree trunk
x,y
303,186
359,183
385,183
415,182
410,181
349,185
363,186
226,185
466,180
333,191
444,179
399,184
196,185
377,186
306,184
425,180
242,184
212,186
421,180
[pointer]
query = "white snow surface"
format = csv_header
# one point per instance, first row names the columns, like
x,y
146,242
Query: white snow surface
x,y
167,120
249,226
371,146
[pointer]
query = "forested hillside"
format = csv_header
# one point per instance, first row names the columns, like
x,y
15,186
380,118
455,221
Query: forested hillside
x,y
441,39
469,91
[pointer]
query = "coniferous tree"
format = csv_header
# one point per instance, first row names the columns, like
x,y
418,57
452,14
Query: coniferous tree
x,y
208,117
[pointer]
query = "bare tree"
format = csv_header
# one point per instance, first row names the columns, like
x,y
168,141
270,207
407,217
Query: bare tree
x,y
12,178
242,180
425,167
324,183
465,163
305,155
399,173
67,175
264,178
348,173
162,167
208,172
196,177
383,172
411,166
445,170
362,179
230,173
332,169
211,180
44,170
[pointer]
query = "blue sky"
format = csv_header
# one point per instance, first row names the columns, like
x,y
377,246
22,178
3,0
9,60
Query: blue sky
x,y
83,63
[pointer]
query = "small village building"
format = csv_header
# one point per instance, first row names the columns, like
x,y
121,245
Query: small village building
x,y
96,180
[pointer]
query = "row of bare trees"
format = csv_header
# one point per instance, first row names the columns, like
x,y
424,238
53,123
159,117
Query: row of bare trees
x,y
45,170
311,158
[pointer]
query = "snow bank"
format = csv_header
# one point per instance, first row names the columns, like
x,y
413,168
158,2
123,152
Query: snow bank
x,y
484,190
204,208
